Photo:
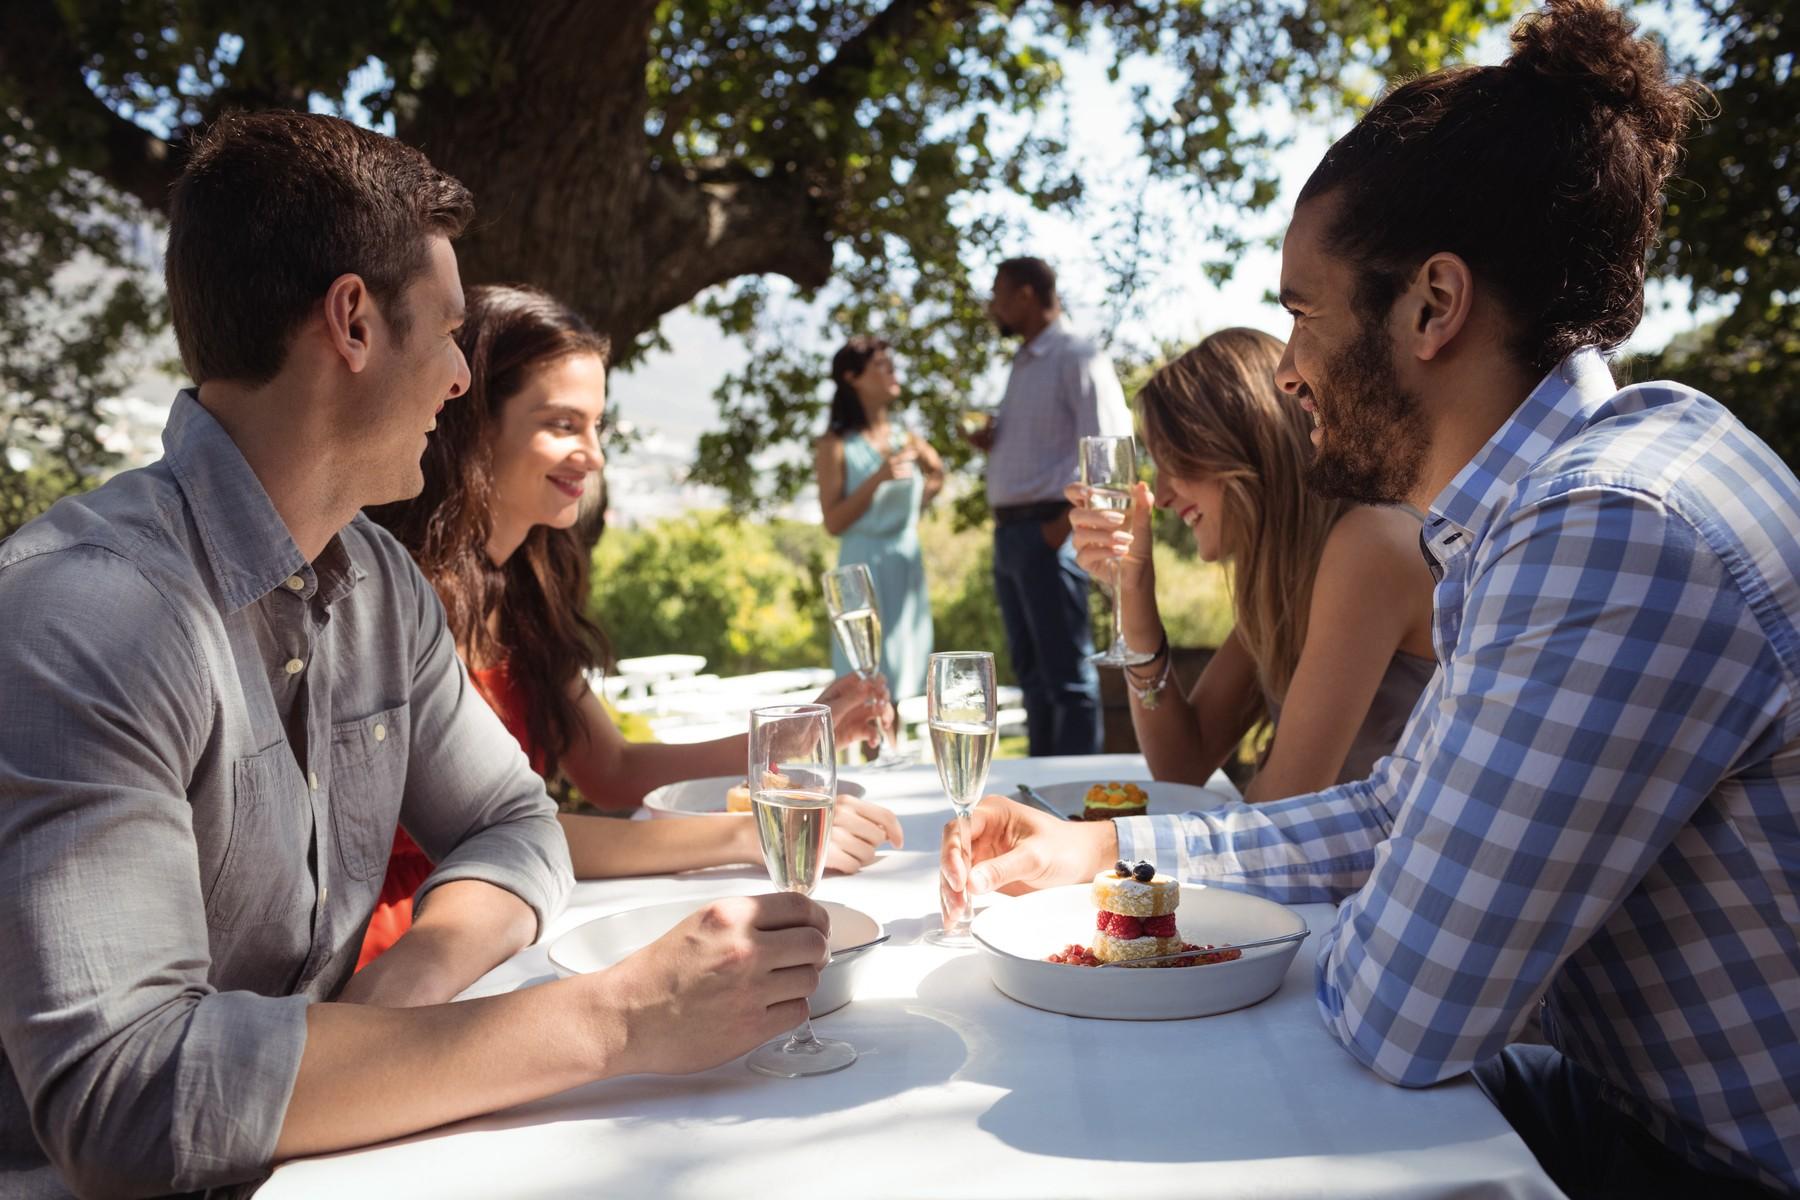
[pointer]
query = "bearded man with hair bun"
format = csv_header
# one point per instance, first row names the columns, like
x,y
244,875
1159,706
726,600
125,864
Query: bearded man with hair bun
x,y
1594,814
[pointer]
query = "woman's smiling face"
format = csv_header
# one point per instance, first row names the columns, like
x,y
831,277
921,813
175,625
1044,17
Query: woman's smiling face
x,y
549,442
1200,503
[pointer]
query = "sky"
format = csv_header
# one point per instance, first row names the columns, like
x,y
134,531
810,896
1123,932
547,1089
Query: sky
x,y
668,395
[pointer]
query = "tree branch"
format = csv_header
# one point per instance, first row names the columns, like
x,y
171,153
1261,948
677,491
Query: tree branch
x,y
894,25
41,61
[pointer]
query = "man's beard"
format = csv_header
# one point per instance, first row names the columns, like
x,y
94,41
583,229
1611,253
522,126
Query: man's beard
x,y
1372,450
1005,329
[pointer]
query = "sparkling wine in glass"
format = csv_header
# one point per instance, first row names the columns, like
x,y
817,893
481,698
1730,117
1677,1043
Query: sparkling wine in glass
x,y
793,791
959,700
856,619
1109,469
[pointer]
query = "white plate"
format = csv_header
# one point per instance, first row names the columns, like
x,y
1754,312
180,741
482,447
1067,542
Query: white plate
x,y
706,797
604,941
1015,938
1070,799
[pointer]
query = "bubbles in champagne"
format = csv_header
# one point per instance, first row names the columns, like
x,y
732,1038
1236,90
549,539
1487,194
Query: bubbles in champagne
x,y
795,830
963,749
859,633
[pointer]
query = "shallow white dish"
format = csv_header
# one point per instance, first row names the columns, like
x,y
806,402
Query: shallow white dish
x,y
605,940
1016,936
706,797
1070,799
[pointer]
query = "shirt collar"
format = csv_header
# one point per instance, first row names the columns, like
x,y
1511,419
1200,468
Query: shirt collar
x,y
1046,337
1562,404
247,543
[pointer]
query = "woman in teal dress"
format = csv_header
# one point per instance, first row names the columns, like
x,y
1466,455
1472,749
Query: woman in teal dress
x,y
873,481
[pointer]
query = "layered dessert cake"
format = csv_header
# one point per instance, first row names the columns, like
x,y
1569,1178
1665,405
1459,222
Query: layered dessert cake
x,y
1137,913
1104,801
1136,919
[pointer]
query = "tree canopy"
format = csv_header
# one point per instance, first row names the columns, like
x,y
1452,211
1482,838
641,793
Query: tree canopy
x,y
1732,226
634,155
630,155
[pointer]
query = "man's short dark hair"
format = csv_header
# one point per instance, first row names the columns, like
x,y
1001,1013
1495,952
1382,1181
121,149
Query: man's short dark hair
x,y
271,208
1544,174
1033,273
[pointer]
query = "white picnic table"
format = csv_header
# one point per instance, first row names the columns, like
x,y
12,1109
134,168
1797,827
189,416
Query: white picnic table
x,y
960,1091
637,677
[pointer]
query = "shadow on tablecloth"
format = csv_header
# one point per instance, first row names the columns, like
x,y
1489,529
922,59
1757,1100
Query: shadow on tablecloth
x,y
897,1051
1208,1089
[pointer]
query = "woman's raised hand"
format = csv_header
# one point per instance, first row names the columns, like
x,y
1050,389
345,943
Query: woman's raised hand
x,y
899,465
856,704
1103,536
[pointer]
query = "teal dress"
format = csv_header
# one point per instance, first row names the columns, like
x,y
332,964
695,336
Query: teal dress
x,y
886,540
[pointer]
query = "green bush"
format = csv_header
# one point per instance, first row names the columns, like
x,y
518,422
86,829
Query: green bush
x,y
743,595
746,595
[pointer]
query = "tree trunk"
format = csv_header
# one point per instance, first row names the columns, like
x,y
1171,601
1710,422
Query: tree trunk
x,y
565,192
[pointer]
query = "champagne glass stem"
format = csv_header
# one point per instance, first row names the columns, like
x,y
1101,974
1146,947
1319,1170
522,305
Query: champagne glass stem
x,y
1118,607
802,1039
881,737
966,852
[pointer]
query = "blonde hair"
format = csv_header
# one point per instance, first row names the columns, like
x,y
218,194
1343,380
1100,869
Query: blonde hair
x,y
1216,413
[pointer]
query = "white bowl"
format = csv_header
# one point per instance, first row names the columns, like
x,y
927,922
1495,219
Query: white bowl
x,y
1016,936
604,941
1070,799
706,797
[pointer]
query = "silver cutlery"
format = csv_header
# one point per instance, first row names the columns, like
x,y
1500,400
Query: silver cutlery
x,y
1038,802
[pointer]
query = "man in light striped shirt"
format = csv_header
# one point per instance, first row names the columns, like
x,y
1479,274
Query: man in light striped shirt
x,y
1594,814
1062,388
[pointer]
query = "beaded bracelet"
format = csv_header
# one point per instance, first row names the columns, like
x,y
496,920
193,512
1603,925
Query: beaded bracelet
x,y
1150,693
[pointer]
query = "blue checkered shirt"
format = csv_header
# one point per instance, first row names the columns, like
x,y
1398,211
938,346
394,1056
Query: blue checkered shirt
x,y
1595,808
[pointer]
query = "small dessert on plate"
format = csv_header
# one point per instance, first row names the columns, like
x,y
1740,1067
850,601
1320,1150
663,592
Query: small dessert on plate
x,y
1104,801
737,797
1136,919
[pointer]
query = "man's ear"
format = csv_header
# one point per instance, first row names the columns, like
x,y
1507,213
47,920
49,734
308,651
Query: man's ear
x,y
349,320
1436,306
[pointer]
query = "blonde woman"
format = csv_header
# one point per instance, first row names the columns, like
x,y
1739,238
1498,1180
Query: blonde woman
x,y
1331,601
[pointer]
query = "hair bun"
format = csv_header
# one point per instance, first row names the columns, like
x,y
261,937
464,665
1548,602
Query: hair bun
x,y
1592,47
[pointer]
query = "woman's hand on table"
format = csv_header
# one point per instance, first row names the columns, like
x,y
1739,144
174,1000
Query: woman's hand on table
x,y
858,829
725,980
1019,849
1106,536
856,704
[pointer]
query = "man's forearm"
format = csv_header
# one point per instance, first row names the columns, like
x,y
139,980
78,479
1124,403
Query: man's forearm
x,y
371,1073
466,928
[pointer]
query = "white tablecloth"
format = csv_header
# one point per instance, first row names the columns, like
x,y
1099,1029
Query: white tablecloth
x,y
960,1091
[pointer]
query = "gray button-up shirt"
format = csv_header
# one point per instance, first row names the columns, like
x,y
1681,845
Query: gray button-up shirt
x,y
1062,388
205,745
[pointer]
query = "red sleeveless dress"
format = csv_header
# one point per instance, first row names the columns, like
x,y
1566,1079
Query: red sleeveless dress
x,y
408,865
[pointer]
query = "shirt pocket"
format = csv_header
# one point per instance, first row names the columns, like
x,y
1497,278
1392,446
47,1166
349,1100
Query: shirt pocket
x,y
262,874
368,778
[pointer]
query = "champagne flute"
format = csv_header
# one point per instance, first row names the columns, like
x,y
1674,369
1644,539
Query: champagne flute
x,y
856,618
959,701
793,791
1109,469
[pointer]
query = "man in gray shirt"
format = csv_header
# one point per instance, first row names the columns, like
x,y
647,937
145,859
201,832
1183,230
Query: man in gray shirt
x,y
222,690
1062,388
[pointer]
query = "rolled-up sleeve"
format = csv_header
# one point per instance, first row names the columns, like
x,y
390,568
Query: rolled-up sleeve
x,y
472,801
138,1077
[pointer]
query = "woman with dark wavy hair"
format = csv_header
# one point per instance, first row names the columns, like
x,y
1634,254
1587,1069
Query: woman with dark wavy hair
x,y
505,472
